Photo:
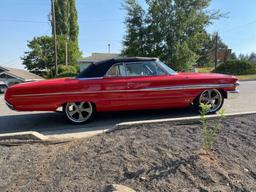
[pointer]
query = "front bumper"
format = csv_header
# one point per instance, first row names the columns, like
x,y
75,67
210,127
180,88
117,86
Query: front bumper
x,y
235,91
233,94
9,105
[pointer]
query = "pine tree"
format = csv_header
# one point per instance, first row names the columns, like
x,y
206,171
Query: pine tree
x,y
133,44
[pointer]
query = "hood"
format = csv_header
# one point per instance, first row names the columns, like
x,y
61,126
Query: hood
x,y
193,74
208,78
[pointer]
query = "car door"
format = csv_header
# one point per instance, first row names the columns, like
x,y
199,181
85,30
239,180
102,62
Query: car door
x,y
113,89
149,87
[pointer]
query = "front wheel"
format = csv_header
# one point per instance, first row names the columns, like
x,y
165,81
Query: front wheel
x,y
213,97
79,112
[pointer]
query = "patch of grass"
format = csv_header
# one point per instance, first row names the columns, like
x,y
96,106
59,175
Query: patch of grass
x,y
247,77
204,69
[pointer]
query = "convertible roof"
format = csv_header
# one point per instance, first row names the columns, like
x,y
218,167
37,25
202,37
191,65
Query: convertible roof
x,y
100,68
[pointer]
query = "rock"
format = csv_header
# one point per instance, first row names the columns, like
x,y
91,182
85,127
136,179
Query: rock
x,y
142,178
120,188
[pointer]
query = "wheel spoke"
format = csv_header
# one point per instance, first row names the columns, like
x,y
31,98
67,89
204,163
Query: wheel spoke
x,y
73,112
81,117
88,110
209,94
216,97
81,105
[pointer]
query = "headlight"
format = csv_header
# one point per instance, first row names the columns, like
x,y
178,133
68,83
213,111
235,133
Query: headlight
x,y
237,84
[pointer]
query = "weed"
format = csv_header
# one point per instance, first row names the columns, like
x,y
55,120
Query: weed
x,y
209,133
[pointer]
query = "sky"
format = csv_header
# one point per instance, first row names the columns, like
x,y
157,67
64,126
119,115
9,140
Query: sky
x,y
101,23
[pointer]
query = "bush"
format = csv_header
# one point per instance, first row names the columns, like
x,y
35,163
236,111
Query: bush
x,y
236,67
65,71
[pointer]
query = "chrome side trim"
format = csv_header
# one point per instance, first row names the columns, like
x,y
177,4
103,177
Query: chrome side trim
x,y
169,88
90,78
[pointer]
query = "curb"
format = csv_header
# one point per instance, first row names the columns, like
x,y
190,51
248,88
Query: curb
x,y
183,119
29,135
35,137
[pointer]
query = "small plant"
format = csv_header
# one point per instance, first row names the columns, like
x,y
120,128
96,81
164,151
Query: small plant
x,y
209,133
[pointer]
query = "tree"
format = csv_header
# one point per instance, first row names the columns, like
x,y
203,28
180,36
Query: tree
x,y
233,56
67,25
66,19
40,58
175,30
243,57
252,58
207,53
133,44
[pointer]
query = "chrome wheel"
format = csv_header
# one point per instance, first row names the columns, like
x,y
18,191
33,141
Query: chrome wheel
x,y
213,98
78,112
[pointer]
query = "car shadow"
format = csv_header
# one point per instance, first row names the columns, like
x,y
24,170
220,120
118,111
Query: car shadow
x,y
56,123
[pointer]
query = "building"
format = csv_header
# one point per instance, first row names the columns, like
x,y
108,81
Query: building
x,y
13,76
95,57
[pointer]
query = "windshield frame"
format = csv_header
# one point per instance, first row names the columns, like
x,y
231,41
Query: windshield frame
x,y
166,68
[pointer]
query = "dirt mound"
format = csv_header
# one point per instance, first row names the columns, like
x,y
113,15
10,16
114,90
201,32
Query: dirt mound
x,y
157,157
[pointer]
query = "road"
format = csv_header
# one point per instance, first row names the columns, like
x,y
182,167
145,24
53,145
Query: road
x,y
55,123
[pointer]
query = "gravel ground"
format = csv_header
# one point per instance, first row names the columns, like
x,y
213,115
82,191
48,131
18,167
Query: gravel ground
x,y
156,157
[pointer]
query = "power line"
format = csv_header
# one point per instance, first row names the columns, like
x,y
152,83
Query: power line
x,y
240,26
22,21
46,22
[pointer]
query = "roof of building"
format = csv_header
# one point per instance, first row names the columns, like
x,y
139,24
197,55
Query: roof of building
x,y
20,74
99,69
96,57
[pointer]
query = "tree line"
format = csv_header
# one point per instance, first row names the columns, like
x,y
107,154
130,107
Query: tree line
x,y
40,57
172,30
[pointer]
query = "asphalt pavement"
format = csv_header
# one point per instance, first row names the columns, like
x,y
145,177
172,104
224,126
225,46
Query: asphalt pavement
x,y
55,123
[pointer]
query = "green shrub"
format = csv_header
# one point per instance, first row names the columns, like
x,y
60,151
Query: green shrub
x,y
236,67
209,133
65,71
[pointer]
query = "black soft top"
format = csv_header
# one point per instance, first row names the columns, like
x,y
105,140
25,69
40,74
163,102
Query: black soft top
x,y
99,69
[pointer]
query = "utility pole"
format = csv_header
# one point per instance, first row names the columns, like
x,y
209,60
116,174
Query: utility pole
x,y
216,50
55,37
109,48
66,50
66,43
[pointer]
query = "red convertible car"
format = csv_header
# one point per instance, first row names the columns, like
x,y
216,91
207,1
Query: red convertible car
x,y
122,84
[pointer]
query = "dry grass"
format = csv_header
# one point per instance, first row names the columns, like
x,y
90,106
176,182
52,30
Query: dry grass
x,y
247,77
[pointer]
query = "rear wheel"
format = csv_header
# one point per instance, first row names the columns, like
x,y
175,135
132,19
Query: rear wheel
x,y
79,112
213,97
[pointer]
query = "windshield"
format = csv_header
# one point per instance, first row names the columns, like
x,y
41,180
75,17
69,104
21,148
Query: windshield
x,y
166,68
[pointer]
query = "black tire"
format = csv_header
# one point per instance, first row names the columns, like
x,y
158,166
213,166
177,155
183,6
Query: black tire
x,y
197,101
75,118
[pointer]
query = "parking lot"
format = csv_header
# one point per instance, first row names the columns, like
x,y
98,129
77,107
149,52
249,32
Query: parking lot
x,y
55,123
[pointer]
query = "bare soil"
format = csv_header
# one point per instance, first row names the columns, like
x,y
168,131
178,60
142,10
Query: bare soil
x,y
155,157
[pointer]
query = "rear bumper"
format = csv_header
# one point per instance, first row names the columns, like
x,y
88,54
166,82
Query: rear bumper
x,y
9,105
